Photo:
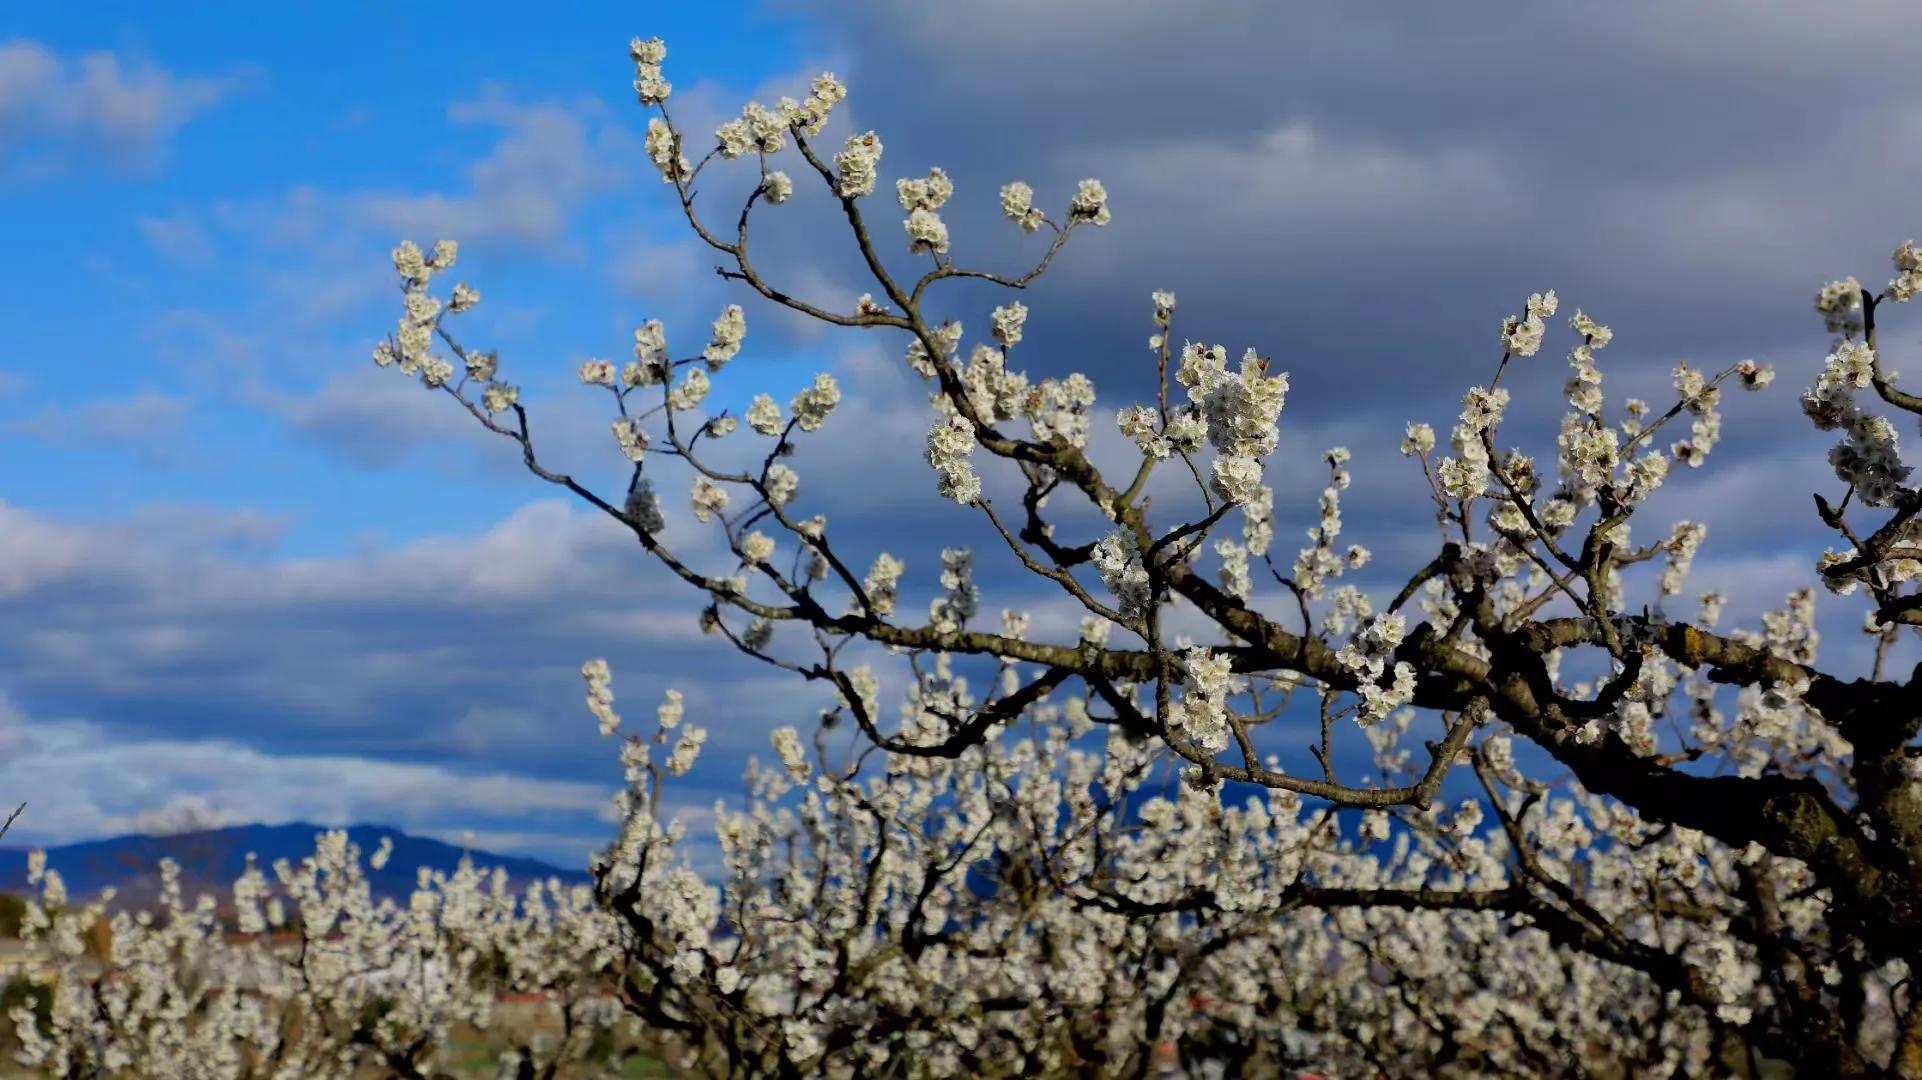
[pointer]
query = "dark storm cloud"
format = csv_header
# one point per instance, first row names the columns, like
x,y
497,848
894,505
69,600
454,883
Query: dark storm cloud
x,y
1365,191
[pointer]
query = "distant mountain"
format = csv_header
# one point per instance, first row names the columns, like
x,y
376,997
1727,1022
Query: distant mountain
x,y
211,859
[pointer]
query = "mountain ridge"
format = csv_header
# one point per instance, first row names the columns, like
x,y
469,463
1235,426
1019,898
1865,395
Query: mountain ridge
x,y
213,858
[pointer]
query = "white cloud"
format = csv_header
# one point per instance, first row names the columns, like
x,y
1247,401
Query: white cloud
x,y
524,191
178,238
79,781
148,418
56,111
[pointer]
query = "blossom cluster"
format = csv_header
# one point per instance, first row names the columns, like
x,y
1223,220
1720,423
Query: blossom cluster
x,y
922,199
1207,681
648,81
1239,409
950,450
1368,656
1868,458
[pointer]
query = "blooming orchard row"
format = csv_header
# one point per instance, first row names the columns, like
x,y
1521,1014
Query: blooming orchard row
x,y
309,976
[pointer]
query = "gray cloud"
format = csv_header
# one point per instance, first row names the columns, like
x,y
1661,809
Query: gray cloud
x,y
1367,193
369,416
148,419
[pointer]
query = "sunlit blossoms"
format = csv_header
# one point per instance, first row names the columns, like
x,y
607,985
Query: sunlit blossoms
x,y
812,405
600,698
412,343
725,344
1007,322
1119,561
671,709
856,165
947,336
757,130
1239,409
1523,336
1237,479
782,482
648,83
756,547
1142,423
708,498
1201,714
1240,406
921,199
764,416
664,150
950,446
687,749
1867,458
688,394
497,399
882,583
1368,656
1908,273
1090,203
787,746
597,372
1017,205
1840,305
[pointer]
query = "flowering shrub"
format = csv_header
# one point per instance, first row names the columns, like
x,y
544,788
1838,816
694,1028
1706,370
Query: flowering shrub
x,y
1688,847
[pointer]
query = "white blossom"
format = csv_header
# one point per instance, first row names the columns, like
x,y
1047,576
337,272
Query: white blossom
x,y
709,498
1090,203
950,448
725,344
857,165
1017,205
812,405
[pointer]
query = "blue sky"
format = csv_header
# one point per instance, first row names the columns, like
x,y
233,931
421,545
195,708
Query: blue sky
x,y
238,233
244,573
199,209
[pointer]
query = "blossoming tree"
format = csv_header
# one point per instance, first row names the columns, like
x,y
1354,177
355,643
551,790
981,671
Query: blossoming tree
x,y
1682,847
